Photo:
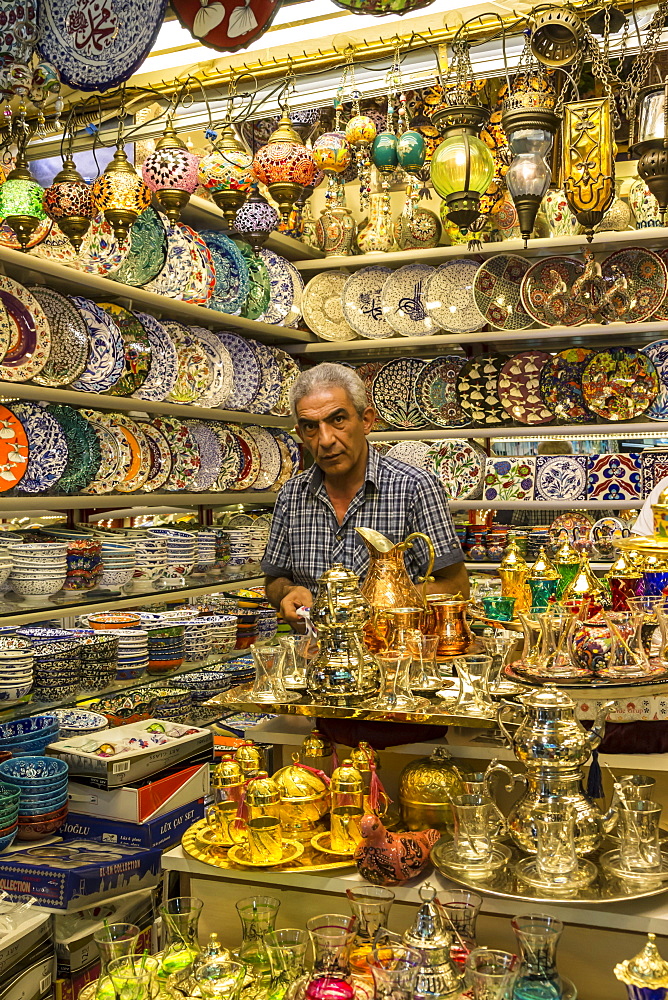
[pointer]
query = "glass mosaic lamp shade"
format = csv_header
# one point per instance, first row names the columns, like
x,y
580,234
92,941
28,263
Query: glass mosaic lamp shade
x,y
171,171
121,194
69,203
285,165
227,173
256,219
21,202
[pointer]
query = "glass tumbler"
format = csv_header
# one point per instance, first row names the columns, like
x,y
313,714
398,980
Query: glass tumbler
x,y
332,936
491,973
258,917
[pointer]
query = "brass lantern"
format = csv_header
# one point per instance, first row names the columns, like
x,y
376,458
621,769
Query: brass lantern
x,y
652,143
557,36
588,161
68,202
21,200
121,194
285,165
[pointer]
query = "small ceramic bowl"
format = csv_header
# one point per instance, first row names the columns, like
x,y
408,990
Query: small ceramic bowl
x,y
42,807
32,772
31,726
40,827
6,839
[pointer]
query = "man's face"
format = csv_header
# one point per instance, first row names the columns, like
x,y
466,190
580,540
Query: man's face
x,y
332,430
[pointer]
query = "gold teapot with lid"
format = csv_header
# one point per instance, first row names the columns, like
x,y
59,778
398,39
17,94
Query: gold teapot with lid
x,y
305,800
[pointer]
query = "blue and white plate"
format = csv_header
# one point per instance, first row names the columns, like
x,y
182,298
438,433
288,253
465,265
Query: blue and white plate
x,y
232,280
246,371
106,354
210,455
164,366
220,364
657,352
282,293
271,379
176,274
47,447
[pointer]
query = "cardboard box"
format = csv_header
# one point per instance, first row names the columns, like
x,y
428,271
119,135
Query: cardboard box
x,y
71,874
32,983
32,938
164,831
129,765
143,801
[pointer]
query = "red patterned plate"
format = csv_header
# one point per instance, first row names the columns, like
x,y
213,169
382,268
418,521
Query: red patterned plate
x,y
13,450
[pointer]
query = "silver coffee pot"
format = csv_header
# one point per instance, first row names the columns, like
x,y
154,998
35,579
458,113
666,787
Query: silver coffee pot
x,y
438,979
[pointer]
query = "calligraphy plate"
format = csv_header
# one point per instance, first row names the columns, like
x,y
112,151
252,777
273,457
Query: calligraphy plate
x,y
47,447
136,350
13,450
518,388
246,371
436,391
68,352
546,292
163,367
221,369
403,301
620,383
459,465
561,385
210,454
393,393
106,349
496,289
148,251
223,24
193,376
185,453
83,449
477,389
29,333
450,298
96,46
644,281
231,272
281,294
362,303
322,306
160,457
657,352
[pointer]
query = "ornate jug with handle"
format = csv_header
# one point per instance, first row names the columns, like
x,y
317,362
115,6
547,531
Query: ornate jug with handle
x,y
387,585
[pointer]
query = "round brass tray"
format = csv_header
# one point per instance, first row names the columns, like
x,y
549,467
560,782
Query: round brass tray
x,y
605,888
310,861
583,687
651,545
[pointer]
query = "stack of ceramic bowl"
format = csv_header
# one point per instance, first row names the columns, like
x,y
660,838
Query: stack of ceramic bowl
x,y
240,671
84,564
247,628
267,623
9,814
224,633
29,736
56,670
206,552
7,538
173,704
181,551
115,620
43,633
42,782
132,653
118,566
98,656
197,639
39,569
16,669
151,555
203,684
165,647
75,722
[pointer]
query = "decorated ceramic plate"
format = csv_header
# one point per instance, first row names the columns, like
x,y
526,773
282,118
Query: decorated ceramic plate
x,y
193,376
210,454
519,388
393,393
436,391
202,280
362,302
13,450
175,275
270,378
112,461
140,466
106,349
136,350
246,371
56,246
293,446
662,311
404,301
163,367
546,292
69,338
100,252
125,452
29,333
221,369
160,467
148,251
185,453
47,447
83,449
270,457
232,280
294,317
477,389
96,48
251,467
620,383
8,236
411,453
561,385
322,306
259,286
459,465
224,25
637,281
496,289
571,525
229,456
281,294
289,371
286,464
450,299
657,352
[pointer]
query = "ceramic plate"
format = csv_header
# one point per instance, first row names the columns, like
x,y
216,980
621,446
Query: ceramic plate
x,y
56,246
546,292
232,279
286,463
362,302
125,453
561,385
270,378
160,467
229,457
148,251
13,450
111,467
69,338
289,371
140,466
450,298
620,383
175,275
47,447
8,236
436,391
164,364
29,341
100,251
404,301
393,393
459,465
246,371
270,457
657,352
251,463
571,525
496,289
477,389
202,279
226,26
221,369
281,289
106,350
519,388
185,453
322,306
662,311
411,453
294,317
259,286
637,280
210,454
83,449
136,350
193,376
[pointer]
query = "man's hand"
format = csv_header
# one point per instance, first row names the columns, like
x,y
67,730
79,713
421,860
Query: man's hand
x,y
295,598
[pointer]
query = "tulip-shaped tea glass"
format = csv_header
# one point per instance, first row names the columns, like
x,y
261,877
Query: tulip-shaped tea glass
x,y
394,968
627,655
220,980
294,667
474,698
134,977
396,694
287,958
491,973
371,906
258,917
537,938
180,919
332,936
268,687
638,828
475,827
424,675
461,909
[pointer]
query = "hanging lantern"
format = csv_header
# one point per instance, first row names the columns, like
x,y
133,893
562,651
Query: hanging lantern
x,y
227,173
21,200
411,151
256,219
588,161
557,35
295,224
285,165
69,203
171,171
331,153
462,166
361,133
121,194
304,121
652,144
384,152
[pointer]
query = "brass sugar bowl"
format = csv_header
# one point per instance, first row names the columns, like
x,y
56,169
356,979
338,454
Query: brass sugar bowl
x,y
426,787
305,800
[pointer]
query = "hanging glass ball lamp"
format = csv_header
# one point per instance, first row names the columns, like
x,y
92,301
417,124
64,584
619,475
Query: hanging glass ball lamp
x,y
227,173
411,151
171,171
21,201
285,165
462,167
331,153
120,194
384,152
256,219
69,203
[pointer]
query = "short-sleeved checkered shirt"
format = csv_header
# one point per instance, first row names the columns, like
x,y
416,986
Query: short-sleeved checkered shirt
x,y
395,499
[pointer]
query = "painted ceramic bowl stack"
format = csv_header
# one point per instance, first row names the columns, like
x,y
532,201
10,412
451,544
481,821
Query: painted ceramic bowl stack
x,y
7,538
84,564
165,646
16,669
246,547
267,623
181,551
39,570
173,704
198,639
151,565
29,736
42,784
132,653
115,620
9,814
118,563
247,628
78,722
57,667
224,633
98,655
206,552
240,671
202,685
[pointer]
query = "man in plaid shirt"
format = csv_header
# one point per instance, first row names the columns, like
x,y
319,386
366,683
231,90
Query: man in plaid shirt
x,y
350,485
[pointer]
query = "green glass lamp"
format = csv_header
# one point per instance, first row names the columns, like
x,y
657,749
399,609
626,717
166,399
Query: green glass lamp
x,y
21,198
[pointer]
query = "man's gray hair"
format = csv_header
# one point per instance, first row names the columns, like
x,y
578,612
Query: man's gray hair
x,y
328,375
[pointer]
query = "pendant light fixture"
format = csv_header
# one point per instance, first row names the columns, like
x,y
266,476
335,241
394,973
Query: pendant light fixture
x,y
121,194
256,220
652,144
285,165
227,172
588,160
69,202
21,197
171,172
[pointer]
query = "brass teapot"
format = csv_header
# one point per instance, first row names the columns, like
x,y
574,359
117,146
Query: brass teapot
x,y
387,585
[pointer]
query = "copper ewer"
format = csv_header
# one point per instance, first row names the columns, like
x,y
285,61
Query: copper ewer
x,y
446,618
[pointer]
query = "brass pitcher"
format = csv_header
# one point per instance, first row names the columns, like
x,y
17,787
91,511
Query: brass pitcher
x,y
387,585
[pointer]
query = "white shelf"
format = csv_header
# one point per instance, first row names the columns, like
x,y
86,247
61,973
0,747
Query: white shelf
x,y
627,429
112,500
539,505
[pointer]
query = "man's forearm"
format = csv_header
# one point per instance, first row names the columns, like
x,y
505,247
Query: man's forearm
x,y
276,587
450,580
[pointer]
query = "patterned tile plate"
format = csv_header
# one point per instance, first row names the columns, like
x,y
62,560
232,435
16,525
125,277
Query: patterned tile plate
x,y
393,393
293,319
127,458
83,449
561,477
136,350
637,282
496,289
111,467
620,383
259,286
148,251
322,305
436,391
286,463
202,279
229,457
546,292
410,453
210,453
459,465
270,378
25,335
221,369
13,450
450,298
509,478
246,371
106,350
362,303
56,246
653,468
561,385
662,311
164,365
100,253
175,275
185,453
519,388
252,463
160,467
270,457
69,338
404,301
140,468
614,477
282,289
194,374
477,389
293,446
657,352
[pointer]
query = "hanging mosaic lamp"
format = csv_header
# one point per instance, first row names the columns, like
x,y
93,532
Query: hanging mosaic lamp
x,y
285,165
121,194
304,120
588,160
256,219
69,203
21,201
360,134
227,173
171,171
